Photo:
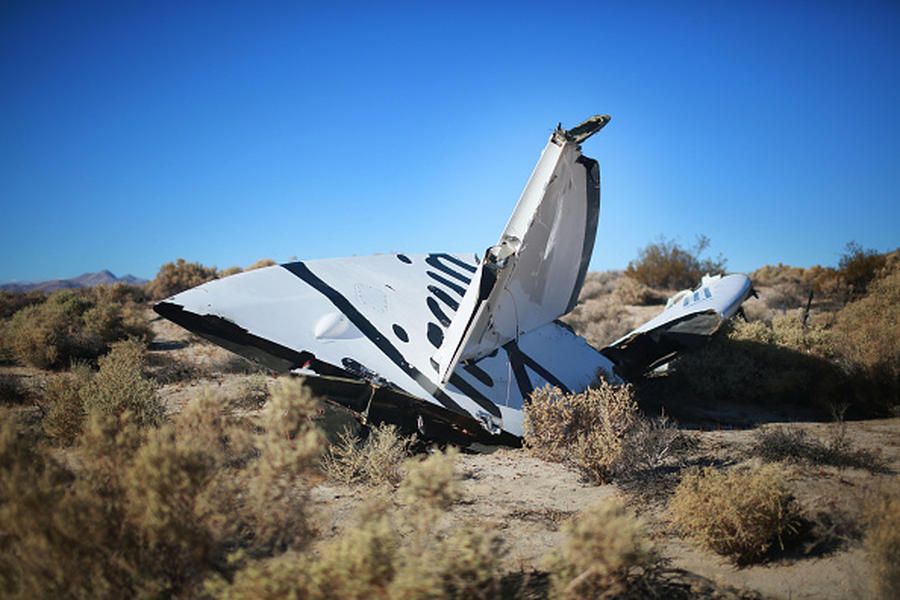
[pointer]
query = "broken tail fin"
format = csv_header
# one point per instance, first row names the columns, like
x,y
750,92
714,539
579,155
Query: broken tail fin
x,y
535,271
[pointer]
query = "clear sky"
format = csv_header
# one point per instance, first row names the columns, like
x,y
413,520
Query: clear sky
x,y
135,133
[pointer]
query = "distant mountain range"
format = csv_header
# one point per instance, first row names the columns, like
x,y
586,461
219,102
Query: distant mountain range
x,y
82,281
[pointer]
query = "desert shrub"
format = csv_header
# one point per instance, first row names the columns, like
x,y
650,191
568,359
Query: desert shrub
x,y
11,390
120,386
859,267
70,325
631,291
398,554
289,451
12,302
229,272
765,364
652,443
379,556
777,444
600,320
377,460
432,481
665,264
867,334
461,564
252,393
605,553
179,276
151,512
598,284
587,430
738,514
263,262
882,542
63,395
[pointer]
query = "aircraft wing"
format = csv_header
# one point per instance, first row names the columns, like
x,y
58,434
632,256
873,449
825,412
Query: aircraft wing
x,y
690,317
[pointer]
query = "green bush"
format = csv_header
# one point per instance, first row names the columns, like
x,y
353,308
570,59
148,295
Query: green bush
x,y
71,325
667,265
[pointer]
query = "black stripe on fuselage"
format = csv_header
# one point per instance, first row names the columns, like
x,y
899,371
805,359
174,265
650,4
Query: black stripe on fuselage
x,y
518,360
381,342
434,260
456,288
444,297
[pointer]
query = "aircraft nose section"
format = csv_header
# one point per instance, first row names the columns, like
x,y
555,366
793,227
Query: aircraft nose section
x,y
244,313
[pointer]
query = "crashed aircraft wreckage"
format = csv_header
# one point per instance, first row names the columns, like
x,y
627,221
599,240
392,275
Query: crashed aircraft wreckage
x,y
449,344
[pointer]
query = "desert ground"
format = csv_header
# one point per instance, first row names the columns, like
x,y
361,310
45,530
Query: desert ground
x,y
528,500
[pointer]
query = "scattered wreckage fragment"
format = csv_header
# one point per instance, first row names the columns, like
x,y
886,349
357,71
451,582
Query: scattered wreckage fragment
x,y
446,344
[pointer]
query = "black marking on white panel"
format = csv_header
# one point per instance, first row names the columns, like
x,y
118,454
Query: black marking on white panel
x,y
382,343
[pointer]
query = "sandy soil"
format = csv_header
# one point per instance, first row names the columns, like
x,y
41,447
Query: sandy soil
x,y
528,499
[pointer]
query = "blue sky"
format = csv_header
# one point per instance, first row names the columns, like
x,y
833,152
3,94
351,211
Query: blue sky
x,y
135,133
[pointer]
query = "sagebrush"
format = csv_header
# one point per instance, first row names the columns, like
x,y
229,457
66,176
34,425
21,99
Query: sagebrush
x,y
605,553
376,460
71,325
882,542
738,514
599,431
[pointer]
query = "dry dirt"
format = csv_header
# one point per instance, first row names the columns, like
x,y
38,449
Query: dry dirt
x,y
528,499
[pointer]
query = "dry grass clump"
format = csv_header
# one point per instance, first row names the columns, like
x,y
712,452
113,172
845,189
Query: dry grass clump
x,y
667,265
153,511
376,460
882,542
738,514
605,554
70,325
777,444
179,276
587,430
